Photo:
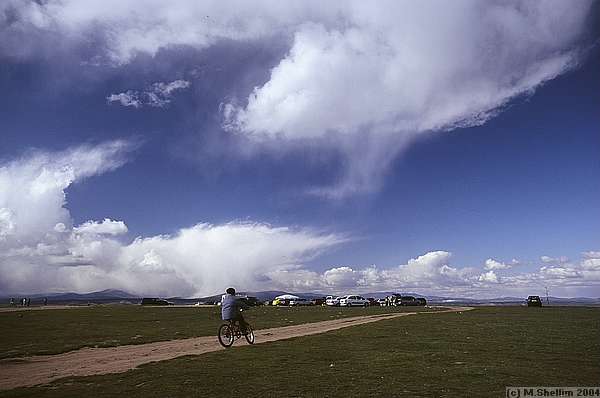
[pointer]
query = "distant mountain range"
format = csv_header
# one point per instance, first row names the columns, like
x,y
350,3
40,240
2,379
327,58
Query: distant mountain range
x,y
108,295
103,294
113,295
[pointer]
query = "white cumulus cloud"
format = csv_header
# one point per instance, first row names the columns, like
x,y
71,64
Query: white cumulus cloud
x,y
559,272
384,76
489,276
41,250
105,227
341,277
591,261
491,264
32,188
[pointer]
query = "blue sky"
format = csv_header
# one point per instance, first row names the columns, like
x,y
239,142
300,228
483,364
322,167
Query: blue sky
x,y
294,197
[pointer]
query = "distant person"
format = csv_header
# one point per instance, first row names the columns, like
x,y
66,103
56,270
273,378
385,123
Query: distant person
x,y
23,302
28,301
12,301
45,300
230,309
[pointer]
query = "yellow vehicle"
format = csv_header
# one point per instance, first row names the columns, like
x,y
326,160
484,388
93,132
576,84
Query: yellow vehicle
x,y
284,299
278,302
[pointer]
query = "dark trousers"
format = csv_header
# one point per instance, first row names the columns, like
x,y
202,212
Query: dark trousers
x,y
241,321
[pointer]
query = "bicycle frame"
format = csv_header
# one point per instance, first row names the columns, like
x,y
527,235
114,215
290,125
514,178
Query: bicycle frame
x,y
230,331
235,328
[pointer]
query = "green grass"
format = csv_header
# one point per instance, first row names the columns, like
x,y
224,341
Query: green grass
x,y
60,330
476,353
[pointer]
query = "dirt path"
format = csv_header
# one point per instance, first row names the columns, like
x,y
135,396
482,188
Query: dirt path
x,y
30,371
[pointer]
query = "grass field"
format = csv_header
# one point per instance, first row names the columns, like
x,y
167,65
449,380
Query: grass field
x,y
59,330
475,354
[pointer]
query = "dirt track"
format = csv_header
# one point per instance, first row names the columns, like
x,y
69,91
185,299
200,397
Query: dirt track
x,y
91,361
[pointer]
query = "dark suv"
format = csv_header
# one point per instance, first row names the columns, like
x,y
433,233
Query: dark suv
x,y
408,300
155,301
534,301
251,301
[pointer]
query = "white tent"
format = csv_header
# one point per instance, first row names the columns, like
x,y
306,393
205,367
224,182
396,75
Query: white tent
x,y
287,297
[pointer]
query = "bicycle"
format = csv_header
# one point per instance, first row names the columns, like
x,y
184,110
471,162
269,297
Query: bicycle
x,y
230,332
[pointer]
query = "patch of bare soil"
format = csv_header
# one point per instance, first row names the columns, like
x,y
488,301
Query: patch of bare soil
x,y
30,371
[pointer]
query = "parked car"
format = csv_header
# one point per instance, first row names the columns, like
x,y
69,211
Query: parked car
x,y
354,301
300,301
534,301
421,300
319,301
279,301
408,301
332,301
155,301
251,301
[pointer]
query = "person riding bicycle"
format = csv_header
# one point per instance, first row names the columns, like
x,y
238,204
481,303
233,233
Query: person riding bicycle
x,y
230,309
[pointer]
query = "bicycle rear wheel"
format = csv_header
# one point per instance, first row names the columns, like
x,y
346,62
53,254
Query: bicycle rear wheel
x,y
225,335
249,334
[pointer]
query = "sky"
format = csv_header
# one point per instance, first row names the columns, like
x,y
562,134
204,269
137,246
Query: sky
x,y
179,148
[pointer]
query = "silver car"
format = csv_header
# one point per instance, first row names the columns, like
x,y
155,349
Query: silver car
x,y
300,301
354,301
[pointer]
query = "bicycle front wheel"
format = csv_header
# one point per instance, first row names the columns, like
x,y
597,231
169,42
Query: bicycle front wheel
x,y
249,335
226,335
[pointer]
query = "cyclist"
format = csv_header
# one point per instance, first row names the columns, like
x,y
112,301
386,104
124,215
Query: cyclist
x,y
230,309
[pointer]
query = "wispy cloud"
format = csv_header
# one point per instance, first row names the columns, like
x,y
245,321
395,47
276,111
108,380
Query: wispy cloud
x,y
554,260
158,95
